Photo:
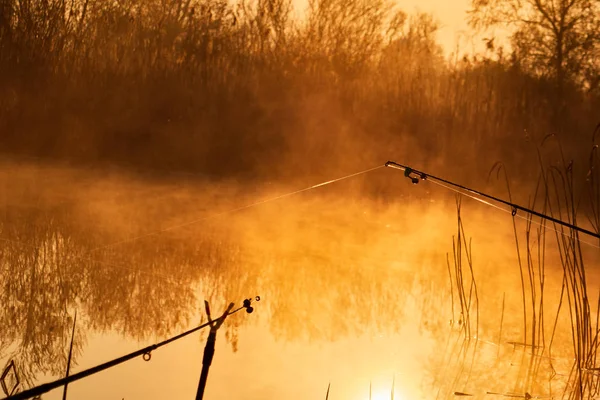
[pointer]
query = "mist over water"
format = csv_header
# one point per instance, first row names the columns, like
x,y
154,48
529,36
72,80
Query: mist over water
x,y
352,289
139,140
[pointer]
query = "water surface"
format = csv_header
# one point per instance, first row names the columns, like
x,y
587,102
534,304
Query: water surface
x,y
355,292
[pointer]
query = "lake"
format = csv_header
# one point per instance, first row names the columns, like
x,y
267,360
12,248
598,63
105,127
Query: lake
x,y
356,293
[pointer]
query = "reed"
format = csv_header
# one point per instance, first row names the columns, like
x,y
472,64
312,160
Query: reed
x,y
557,194
184,84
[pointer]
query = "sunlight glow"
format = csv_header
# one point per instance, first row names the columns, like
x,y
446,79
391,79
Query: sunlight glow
x,y
385,394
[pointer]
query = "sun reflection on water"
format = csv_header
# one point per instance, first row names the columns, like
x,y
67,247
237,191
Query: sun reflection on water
x,y
385,393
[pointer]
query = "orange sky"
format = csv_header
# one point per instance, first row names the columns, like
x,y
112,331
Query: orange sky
x,y
451,15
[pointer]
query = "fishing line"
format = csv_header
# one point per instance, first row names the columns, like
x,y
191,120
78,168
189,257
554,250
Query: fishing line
x,y
169,278
510,212
515,207
257,203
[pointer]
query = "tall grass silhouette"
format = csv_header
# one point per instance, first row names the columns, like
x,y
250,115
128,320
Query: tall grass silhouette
x,y
186,84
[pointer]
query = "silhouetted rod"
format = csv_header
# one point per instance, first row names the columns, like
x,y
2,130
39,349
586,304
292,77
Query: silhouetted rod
x,y
145,352
422,175
46,387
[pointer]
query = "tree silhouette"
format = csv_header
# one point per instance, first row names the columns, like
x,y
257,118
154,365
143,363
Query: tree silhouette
x,y
558,39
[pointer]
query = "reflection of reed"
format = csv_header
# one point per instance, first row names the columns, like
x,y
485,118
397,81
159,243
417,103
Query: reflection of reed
x,y
39,283
149,289
140,292
473,368
321,256
392,390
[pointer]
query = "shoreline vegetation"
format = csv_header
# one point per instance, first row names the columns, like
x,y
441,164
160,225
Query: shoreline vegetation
x,y
245,91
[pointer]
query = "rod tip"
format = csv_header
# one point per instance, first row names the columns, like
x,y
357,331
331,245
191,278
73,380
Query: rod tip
x,y
394,165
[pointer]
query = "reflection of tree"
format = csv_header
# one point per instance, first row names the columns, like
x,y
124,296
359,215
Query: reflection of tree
x,y
325,272
329,273
140,290
330,300
39,282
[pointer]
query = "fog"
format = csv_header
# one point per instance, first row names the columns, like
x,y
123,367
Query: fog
x,y
159,153
135,259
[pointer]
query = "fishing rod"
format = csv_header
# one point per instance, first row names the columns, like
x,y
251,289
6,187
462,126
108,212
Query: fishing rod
x,y
145,353
415,176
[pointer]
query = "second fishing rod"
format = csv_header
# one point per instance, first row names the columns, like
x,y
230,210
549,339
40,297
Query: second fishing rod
x,y
415,176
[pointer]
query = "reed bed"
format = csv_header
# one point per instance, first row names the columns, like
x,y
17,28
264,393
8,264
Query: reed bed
x,y
534,358
185,84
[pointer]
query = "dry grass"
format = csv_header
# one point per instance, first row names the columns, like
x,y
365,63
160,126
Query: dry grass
x,y
185,85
